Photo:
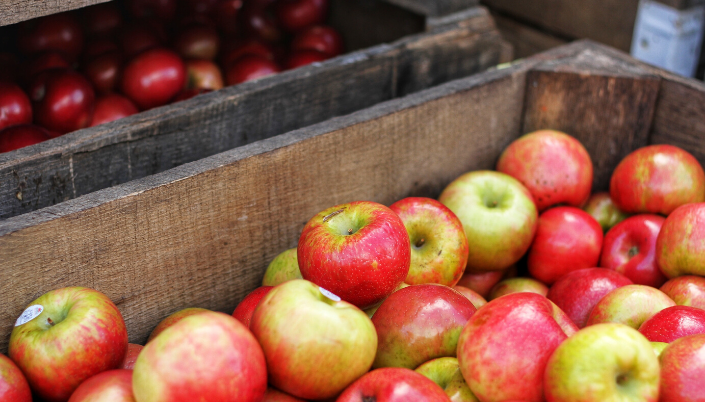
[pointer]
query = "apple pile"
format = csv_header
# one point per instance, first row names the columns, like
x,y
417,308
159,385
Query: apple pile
x,y
502,290
92,66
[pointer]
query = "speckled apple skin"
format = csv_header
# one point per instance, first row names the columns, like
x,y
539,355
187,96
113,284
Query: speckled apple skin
x,y
243,312
393,385
680,247
630,305
445,372
503,349
474,297
674,322
108,386
555,167
657,179
601,207
13,385
586,366
284,267
482,283
517,285
683,370
688,290
173,319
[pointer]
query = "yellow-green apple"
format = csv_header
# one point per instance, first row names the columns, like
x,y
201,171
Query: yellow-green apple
x,y
672,323
65,337
683,370
482,282
517,285
108,386
393,384
372,310
474,297
13,385
359,251
439,248
205,357
657,179
419,323
133,350
284,267
577,292
601,207
630,305
503,349
445,372
274,395
498,215
686,290
567,239
243,312
680,247
173,319
606,363
203,74
630,249
658,347
555,167
315,343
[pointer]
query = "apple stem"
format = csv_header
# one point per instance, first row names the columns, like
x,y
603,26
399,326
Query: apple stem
x,y
350,231
50,321
633,251
420,242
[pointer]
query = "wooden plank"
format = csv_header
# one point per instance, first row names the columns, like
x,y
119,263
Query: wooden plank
x,y
435,7
91,159
525,40
13,11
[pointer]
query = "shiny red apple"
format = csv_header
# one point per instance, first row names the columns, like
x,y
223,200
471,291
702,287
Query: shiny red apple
x,y
153,78
686,290
104,72
258,22
16,137
249,68
243,312
295,15
321,38
302,58
674,322
15,107
680,247
683,370
59,32
112,107
236,49
44,61
393,385
63,101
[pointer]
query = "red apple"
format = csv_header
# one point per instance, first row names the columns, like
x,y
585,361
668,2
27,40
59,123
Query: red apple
x,y
577,292
97,47
133,351
153,78
295,15
686,290
630,305
162,9
360,251
683,370
63,101
137,38
482,282
439,248
237,49
601,207
9,66
630,249
65,337
15,107
674,322
113,386
274,395
21,136
102,19
680,247
475,298
173,319
104,72
45,61
189,93
657,179
518,285
320,38
259,23
207,357
225,14
203,74
419,323
243,312
303,58
112,107
504,348
59,32
197,42
567,239
393,385
13,385
554,166
283,268
249,68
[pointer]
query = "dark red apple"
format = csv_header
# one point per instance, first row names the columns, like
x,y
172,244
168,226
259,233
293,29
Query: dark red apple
x,y
197,42
321,38
203,74
481,282
189,93
295,15
16,137
198,6
672,323
59,32
9,66
102,19
133,350
162,9
225,14
249,68
48,60
97,47
243,312
104,72
304,57
259,23
15,107
136,39
112,107
153,78
63,101
237,49
393,385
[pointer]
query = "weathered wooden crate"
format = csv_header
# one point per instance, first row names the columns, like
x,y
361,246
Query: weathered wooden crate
x,y
203,233
87,160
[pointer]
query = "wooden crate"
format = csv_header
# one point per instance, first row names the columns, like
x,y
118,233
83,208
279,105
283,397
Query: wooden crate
x,y
202,234
154,141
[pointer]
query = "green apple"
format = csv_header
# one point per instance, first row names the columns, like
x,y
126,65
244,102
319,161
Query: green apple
x,y
601,207
517,285
658,347
630,305
445,372
283,268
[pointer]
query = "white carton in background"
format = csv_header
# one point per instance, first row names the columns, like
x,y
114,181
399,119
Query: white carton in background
x,y
669,38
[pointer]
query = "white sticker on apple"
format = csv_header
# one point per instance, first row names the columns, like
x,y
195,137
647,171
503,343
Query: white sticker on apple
x,y
329,294
29,314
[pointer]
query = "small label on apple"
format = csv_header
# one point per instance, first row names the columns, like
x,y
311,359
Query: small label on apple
x,y
29,314
329,294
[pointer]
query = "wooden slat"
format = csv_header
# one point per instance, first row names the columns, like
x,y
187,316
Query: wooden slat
x,y
525,40
13,11
435,7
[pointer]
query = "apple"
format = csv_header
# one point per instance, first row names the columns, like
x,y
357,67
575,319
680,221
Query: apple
x,y
108,386
295,15
672,323
606,362
419,323
498,214
104,71
248,68
302,58
259,23
15,107
517,285
686,290
274,395
483,282
59,32
577,292
65,337
315,344
658,347
112,107
44,61
162,9
97,47
680,247
190,93
197,42
555,168
683,370
439,248
504,348
393,385
9,66
153,78
320,38
13,385
16,137
136,39
173,319
601,207
630,305
252,47
207,357
475,298
63,101
102,20
370,311
225,13
360,251
284,267
133,350
203,74
243,312
445,372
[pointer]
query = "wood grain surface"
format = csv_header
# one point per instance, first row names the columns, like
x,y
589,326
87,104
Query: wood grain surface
x,y
13,11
